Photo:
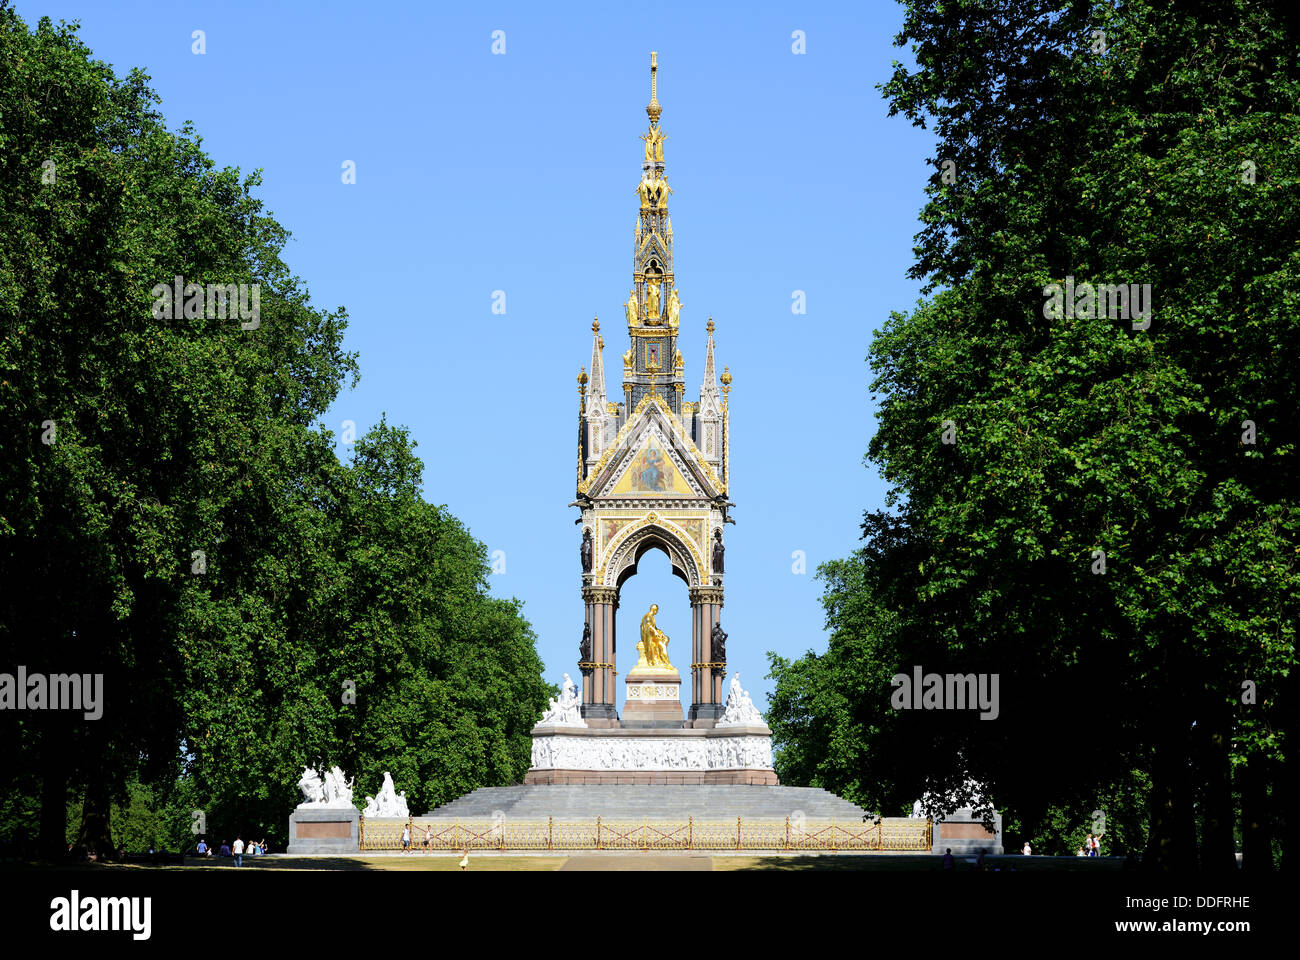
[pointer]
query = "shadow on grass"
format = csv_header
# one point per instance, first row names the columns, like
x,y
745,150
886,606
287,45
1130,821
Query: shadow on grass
x,y
192,865
921,863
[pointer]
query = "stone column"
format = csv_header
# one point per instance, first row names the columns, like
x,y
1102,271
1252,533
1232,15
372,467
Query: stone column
x,y
598,707
585,666
706,687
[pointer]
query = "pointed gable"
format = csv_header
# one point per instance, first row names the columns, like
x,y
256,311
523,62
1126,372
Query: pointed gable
x,y
652,472
652,457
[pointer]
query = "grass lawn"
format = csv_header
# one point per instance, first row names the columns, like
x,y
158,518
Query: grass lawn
x,y
650,860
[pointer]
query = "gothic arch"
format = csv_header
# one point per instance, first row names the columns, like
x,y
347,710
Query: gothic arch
x,y
639,540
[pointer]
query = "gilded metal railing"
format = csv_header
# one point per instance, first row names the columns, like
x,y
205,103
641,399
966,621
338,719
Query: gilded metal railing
x,y
445,836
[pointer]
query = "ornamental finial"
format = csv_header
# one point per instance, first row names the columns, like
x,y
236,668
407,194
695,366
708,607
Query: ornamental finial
x,y
595,325
653,110
582,377
709,327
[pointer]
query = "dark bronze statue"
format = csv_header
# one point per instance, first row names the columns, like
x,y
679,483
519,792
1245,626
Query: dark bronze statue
x,y
718,644
585,551
584,648
717,551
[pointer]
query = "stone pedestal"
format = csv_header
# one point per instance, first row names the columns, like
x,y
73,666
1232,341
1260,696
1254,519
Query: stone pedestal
x,y
654,699
318,829
965,834
740,755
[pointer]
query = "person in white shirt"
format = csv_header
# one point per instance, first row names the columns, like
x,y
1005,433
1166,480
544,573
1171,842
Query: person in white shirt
x,y
237,848
1027,852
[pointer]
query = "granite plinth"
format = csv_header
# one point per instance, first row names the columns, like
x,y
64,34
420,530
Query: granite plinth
x,y
966,835
324,830
599,715
653,699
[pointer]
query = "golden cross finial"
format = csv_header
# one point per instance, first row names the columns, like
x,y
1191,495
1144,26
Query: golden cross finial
x,y
595,326
710,326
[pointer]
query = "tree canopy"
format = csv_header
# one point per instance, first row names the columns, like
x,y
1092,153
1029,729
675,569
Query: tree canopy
x,y
172,514
1098,507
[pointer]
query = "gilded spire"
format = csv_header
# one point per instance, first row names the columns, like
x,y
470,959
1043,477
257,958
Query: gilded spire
x,y
596,392
709,389
653,109
654,137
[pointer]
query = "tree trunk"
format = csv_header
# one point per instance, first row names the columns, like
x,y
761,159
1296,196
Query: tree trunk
x,y
1286,780
1218,846
52,838
95,815
1256,817
1171,842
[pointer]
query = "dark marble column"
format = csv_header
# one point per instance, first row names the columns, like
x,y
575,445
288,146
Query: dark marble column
x,y
599,708
706,675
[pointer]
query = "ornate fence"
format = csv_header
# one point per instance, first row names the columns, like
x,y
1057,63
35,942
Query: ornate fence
x,y
443,836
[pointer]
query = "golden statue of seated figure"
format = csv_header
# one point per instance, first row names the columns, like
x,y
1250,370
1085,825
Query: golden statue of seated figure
x,y
653,647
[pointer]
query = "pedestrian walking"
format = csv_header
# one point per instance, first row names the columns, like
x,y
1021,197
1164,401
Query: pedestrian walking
x,y
406,838
428,837
1027,851
237,848
948,862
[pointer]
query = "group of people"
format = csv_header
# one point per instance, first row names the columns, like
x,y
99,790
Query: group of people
x,y
428,843
406,838
236,850
1090,848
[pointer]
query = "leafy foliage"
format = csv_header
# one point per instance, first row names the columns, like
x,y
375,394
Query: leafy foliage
x,y
1107,144
172,516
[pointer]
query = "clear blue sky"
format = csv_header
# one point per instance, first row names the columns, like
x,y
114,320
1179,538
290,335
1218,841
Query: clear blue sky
x,y
479,172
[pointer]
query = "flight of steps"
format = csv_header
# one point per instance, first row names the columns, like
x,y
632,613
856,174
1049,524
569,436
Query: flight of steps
x,y
626,802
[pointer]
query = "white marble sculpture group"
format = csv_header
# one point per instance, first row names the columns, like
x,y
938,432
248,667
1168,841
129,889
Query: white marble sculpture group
x,y
744,752
333,790
389,803
928,805
739,710
567,710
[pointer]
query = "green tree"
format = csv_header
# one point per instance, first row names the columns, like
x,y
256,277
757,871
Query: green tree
x,y
1141,143
173,517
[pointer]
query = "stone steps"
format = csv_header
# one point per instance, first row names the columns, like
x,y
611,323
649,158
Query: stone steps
x,y
626,802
